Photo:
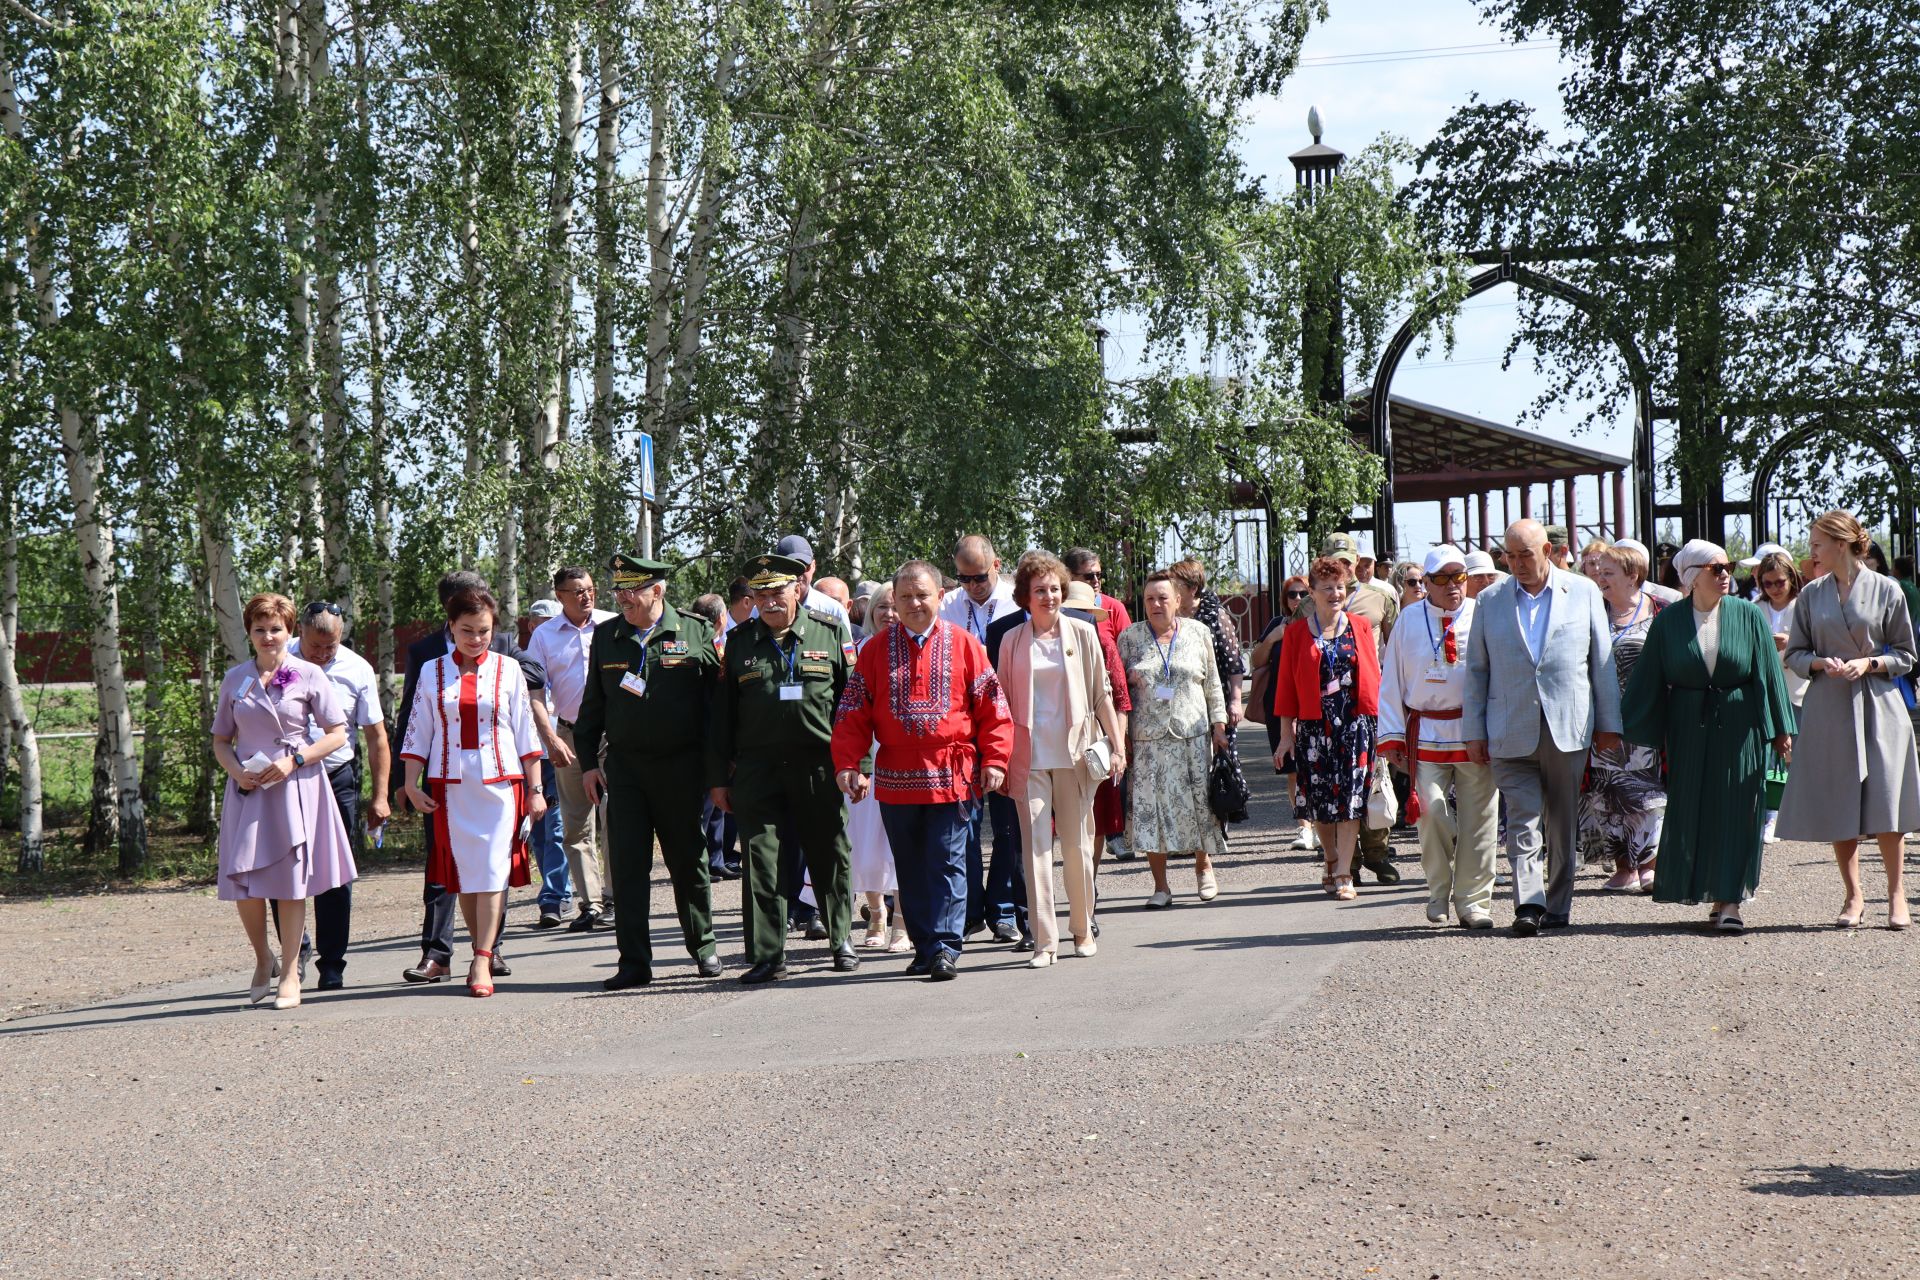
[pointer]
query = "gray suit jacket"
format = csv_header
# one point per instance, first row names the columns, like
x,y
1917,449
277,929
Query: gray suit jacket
x,y
1573,684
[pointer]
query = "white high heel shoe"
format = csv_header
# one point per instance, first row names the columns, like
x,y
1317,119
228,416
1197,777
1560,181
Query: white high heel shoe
x,y
261,990
1041,959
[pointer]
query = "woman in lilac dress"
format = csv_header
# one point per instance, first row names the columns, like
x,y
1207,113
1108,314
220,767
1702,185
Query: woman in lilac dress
x,y
281,838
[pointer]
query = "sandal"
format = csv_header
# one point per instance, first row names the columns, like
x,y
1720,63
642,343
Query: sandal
x,y
1326,876
481,989
901,943
1343,888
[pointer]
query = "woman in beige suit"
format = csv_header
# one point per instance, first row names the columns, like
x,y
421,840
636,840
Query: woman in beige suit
x,y
1056,685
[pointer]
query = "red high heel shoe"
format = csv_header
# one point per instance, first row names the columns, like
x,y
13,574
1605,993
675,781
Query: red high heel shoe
x,y
481,989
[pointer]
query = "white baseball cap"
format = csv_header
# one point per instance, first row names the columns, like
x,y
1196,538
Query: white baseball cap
x,y
1762,551
547,608
1477,562
1442,556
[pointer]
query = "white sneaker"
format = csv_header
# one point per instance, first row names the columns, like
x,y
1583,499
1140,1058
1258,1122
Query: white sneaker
x,y
1303,838
1773,819
1436,914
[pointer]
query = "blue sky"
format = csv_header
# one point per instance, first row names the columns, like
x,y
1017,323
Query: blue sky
x,y
1397,67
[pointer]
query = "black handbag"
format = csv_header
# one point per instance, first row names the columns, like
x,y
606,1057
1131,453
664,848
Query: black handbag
x,y
1227,793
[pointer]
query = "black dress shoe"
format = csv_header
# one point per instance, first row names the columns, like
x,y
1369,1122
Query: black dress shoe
x,y
1526,924
624,978
817,930
710,967
765,971
1025,944
603,918
330,981
1096,926
1004,932
722,873
549,919
844,959
1553,922
584,922
942,970
501,969
919,968
1384,871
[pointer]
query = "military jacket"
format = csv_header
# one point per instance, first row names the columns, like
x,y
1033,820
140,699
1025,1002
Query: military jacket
x,y
669,716
752,717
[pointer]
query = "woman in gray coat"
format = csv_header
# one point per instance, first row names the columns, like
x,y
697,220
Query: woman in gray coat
x,y
1855,773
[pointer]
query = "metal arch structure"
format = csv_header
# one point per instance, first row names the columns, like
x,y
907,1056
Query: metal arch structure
x,y
1508,271
1760,496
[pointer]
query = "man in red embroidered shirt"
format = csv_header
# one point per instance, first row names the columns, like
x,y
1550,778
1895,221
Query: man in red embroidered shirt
x,y
924,690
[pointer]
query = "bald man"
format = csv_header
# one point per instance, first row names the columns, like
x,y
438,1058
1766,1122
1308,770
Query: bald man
x,y
1541,689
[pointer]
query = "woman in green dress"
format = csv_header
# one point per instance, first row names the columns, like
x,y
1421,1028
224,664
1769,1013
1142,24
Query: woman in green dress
x,y
1708,690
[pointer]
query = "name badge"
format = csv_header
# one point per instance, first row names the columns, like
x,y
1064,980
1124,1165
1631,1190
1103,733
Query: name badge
x,y
1163,693
791,692
634,683
1436,675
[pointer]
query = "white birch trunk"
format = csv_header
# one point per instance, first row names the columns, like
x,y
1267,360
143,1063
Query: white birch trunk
x,y
606,231
223,578
20,740
290,89
474,428
382,499
559,282
506,585
336,545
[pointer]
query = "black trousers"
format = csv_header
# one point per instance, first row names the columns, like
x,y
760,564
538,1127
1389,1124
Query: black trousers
x,y
333,910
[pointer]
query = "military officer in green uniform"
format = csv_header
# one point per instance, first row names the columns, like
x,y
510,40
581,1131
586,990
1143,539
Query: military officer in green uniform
x,y
650,681
768,760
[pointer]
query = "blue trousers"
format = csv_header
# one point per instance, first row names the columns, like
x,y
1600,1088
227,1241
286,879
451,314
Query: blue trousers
x,y
1003,815
723,838
991,895
930,858
549,853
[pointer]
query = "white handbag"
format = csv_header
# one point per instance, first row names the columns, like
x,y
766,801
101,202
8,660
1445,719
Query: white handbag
x,y
1383,803
1099,760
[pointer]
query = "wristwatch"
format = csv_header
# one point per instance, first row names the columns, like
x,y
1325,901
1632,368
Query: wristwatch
x,y
299,760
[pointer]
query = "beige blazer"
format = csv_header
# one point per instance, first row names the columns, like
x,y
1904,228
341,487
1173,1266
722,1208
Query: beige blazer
x,y
1087,691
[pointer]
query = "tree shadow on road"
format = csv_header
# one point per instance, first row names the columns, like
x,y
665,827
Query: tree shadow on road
x,y
1840,1180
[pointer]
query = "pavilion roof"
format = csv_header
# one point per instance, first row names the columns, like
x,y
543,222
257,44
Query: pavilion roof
x,y
1444,453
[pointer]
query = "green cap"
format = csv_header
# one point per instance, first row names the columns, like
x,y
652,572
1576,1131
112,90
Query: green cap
x,y
763,573
1556,535
1341,546
631,573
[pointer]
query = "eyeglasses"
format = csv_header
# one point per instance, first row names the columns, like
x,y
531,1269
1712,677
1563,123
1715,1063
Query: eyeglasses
x,y
973,578
319,607
576,591
1446,579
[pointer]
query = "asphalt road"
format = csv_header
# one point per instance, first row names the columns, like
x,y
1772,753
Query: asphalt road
x,y
1272,1084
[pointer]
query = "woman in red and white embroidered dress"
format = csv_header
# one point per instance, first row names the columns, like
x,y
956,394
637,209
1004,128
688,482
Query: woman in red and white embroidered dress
x,y
470,736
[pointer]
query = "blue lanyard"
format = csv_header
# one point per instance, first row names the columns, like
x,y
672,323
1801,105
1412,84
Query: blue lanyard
x,y
642,638
1438,644
1166,655
789,655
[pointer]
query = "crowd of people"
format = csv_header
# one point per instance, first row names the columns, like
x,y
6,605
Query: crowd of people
x,y
847,751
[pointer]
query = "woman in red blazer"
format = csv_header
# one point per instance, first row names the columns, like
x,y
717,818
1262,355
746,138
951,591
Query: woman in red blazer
x,y
1326,696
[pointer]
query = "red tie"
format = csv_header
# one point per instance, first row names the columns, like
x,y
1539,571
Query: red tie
x,y
1451,647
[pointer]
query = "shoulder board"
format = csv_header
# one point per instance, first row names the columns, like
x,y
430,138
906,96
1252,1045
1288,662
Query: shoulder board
x,y
824,618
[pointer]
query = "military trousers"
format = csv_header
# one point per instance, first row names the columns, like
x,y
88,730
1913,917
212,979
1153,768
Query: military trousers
x,y
657,798
767,790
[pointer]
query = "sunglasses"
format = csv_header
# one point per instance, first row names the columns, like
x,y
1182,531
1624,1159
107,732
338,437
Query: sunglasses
x,y
974,578
1717,569
1298,595
319,607
1091,575
1774,584
1446,579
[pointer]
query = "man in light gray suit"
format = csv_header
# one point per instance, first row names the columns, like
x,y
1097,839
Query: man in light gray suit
x,y
1541,690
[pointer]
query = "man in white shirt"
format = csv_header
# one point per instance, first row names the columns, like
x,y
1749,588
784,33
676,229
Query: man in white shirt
x,y
972,606
561,646
981,596
1423,674
354,680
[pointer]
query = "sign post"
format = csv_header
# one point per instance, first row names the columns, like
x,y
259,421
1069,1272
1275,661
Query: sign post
x,y
646,496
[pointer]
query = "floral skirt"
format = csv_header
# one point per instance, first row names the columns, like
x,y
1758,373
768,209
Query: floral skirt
x,y
1334,759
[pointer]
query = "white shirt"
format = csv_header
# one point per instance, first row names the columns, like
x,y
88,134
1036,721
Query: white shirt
x,y
1780,623
359,690
958,608
562,648
1416,649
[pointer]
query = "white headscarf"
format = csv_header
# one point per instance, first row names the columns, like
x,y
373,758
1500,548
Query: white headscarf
x,y
1694,557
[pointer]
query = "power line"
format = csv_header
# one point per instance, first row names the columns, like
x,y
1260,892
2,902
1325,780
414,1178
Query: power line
x,y
1415,55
